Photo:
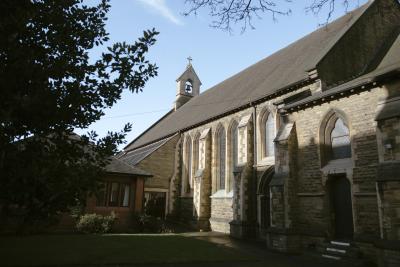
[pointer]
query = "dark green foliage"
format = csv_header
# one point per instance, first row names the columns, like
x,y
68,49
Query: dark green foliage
x,y
49,87
151,224
95,223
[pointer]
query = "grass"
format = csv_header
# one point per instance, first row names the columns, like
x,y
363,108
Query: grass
x,y
42,250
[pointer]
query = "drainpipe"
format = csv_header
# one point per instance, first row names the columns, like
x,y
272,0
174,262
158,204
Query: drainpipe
x,y
254,198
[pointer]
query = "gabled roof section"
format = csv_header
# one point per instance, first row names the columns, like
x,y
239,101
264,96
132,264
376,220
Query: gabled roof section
x,y
390,63
189,68
134,157
282,69
117,166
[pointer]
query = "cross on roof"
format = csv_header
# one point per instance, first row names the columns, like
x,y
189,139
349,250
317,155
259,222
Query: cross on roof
x,y
189,60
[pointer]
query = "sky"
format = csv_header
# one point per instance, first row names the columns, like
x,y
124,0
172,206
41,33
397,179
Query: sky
x,y
216,54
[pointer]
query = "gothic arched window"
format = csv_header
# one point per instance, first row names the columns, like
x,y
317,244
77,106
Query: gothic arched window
x,y
233,152
196,152
340,141
221,156
335,138
188,164
234,143
269,136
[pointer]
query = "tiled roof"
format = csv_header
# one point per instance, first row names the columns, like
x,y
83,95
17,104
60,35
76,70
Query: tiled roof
x,y
284,68
119,167
390,63
136,156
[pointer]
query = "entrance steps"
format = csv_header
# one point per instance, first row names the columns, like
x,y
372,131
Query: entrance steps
x,y
341,252
338,250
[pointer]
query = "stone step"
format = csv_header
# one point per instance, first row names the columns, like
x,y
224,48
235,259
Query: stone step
x,y
337,258
331,257
336,250
340,243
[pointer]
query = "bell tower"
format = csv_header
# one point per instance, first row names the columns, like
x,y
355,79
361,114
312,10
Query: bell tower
x,y
187,85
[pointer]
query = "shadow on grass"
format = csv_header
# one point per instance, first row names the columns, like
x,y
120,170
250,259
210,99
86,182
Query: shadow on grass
x,y
50,250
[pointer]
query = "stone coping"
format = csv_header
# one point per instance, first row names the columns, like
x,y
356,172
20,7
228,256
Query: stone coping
x,y
222,194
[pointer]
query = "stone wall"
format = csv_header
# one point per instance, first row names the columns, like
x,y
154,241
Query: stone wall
x,y
359,111
161,164
221,214
300,208
186,209
390,198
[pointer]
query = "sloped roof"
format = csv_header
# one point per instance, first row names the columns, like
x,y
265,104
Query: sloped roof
x,y
280,70
119,167
391,62
136,156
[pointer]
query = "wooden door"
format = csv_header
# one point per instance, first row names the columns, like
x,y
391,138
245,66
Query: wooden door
x,y
342,207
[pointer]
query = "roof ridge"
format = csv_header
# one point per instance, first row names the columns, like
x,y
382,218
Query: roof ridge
x,y
341,33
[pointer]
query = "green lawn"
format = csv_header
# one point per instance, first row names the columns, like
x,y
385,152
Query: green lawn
x,y
110,249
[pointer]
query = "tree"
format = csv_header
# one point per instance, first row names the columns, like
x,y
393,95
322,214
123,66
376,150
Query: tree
x,y
49,87
228,12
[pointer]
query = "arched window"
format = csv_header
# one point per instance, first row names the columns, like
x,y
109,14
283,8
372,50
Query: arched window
x,y
233,153
196,152
221,156
334,138
269,146
340,140
188,164
234,143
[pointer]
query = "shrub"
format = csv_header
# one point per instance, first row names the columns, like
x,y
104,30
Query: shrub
x,y
95,223
150,224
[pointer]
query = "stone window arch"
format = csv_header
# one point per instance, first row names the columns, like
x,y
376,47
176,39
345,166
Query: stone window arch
x,y
268,133
233,147
221,158
196,153
187,173
335,137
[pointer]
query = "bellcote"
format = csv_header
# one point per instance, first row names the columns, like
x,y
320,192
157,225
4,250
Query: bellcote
x,y
187,86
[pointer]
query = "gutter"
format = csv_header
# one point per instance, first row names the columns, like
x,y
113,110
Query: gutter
x,y
255,162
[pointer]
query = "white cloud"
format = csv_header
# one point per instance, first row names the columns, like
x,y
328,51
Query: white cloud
x,y
161,7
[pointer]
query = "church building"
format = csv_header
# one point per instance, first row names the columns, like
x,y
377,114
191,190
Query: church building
x,y
300,150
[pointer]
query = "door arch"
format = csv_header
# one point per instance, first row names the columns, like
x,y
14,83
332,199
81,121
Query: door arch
x,y
263,201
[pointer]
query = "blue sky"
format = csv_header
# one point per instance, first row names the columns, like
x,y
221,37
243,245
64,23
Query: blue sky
x,y
216,54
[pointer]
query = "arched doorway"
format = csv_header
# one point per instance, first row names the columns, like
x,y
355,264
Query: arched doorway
x,y
263,202
341,206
